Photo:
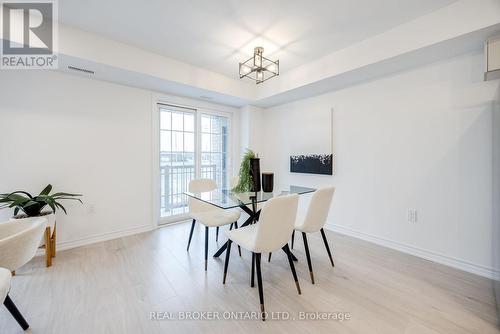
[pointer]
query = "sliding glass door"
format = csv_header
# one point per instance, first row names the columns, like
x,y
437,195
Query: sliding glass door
x,y
193,144
214,149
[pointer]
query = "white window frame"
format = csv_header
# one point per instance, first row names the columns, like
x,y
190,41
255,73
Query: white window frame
x,y
198,110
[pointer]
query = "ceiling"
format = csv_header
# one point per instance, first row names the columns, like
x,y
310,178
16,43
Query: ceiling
x,y
217,34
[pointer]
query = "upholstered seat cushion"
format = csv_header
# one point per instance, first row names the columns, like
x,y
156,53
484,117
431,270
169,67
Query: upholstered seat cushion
x,y
216,217
5,276
274,228
244,236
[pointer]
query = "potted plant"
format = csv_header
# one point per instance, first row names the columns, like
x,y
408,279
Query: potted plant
x,y
34,206
249,174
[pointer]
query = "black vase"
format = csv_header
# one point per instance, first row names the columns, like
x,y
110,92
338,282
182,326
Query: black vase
x,y
255,174
268,182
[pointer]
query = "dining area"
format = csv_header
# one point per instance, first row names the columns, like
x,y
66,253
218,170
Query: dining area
x,y
270,222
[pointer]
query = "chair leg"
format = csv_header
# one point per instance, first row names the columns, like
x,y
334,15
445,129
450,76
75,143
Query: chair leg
x,y
217,234
292,267
191,233
9,304
48,247
293,238
206,247
226,263
327,247
269,258
304,238
239,248
259,283
253,270
53,241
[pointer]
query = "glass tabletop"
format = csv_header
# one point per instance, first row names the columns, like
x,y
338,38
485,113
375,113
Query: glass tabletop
x,y
227,199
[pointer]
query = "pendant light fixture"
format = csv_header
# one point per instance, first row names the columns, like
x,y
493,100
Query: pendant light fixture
x,y
258,67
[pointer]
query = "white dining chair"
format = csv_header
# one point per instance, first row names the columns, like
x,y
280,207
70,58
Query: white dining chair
x,y
207,214
271,233
314,220
5,277
19,241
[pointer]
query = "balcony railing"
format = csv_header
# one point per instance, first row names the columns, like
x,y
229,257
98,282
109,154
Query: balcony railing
x,y
175,179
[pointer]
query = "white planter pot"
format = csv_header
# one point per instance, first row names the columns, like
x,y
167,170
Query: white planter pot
x,y
51,221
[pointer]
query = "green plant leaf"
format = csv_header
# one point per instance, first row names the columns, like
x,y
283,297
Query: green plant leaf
x,y
16,211
21,200
14,197
50,202
245,179
65,194
19,192
30,203
46,190
70,198
61,207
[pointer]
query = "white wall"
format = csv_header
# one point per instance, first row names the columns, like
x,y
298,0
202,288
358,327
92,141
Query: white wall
x,y
421,139
250,120
496,194
86,136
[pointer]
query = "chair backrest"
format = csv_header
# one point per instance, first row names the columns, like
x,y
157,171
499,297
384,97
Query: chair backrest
x,y
318,209
200,186
19,240
276,223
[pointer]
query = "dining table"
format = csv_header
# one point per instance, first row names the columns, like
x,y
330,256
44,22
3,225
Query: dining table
x,y
246,201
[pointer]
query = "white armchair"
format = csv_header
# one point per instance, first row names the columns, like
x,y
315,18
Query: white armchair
x,y
5,278
19,241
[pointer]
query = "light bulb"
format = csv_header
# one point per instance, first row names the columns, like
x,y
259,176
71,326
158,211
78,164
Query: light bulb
x,y
258,60
260,76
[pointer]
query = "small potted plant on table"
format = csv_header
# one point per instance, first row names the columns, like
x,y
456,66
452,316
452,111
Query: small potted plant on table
x,y
33,206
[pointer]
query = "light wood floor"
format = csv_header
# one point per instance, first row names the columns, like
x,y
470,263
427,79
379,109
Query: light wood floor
x,y
111,287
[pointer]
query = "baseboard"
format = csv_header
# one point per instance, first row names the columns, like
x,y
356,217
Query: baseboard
x,y
99,237
480,270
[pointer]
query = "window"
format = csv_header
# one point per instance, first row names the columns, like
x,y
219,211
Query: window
x,y
214,149
193,145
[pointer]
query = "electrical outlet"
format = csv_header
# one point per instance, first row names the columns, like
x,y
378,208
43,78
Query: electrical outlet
x,y
412,216
91,209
